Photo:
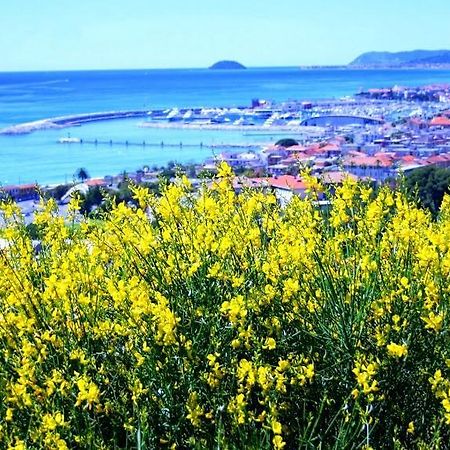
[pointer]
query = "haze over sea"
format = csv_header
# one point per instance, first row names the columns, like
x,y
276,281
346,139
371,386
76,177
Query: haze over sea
x,y
31,96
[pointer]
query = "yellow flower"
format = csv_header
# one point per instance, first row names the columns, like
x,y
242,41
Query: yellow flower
x,y
270,344
9,415
276,427
410,428
19,445
51,421
88,392
404,282
195,412
278,442
433,321
224,170
397,350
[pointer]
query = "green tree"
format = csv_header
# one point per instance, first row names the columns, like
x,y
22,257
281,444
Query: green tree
x,y
429,184
286,142
93,198
82,174
58,191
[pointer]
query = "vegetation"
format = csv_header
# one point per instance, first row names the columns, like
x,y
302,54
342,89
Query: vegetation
x,y
99,199
286,142
430,184
409,58
59,191
228,65
81,174
224,322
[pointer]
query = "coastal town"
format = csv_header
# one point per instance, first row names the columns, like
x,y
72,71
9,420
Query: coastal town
x,y
374,136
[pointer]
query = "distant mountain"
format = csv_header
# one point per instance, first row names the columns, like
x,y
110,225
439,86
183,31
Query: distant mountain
x,y
227,65
444,58
402,59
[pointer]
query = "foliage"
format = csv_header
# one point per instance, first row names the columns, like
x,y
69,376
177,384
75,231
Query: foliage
x,y
81,174
92,199
100,199
286,142
211,320
59,191
431,184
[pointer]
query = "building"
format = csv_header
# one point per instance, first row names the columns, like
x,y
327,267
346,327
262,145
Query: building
x,y
440,122
21,192
378,167
285,187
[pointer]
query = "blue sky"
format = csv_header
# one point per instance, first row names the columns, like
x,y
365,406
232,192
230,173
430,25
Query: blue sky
x,y
108,34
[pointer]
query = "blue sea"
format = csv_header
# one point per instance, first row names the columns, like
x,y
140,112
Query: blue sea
x,y
37,157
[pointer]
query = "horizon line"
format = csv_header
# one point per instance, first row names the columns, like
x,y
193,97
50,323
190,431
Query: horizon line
x,y
167,68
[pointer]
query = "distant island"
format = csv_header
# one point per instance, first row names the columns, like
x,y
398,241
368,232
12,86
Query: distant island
x,y
233,65
409,59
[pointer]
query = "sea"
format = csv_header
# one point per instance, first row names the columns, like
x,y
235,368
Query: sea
x,y
38,157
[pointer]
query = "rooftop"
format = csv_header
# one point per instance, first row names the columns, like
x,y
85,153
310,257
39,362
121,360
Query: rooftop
x,y
287,182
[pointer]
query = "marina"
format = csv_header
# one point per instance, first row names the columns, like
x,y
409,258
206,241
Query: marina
x,y
238,111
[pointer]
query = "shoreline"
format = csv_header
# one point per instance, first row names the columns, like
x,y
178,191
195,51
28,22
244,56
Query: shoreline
x,y
63,122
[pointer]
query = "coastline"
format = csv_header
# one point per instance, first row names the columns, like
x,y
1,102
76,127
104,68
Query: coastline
x,y
80,119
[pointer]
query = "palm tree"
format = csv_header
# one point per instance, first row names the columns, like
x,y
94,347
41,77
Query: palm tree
x,y
82,174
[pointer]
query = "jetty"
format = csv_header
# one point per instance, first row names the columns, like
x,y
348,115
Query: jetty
x,y
161,144
73,120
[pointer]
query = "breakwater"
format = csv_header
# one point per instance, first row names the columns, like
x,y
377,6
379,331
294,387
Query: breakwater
x,y
73,120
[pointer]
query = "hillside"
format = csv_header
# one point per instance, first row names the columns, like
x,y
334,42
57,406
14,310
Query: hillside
x,y
443,58
231,65
400,59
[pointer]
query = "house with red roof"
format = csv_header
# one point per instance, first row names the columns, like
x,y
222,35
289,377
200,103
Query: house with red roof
x,y
286,186
442,160
21,192
378,167
440,122
330,150
97,182
296,149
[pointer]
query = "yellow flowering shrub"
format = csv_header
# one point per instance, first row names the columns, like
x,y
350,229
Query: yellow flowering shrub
x,y
214,320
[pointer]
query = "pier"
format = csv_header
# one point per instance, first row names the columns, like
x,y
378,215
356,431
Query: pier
x,y
145,144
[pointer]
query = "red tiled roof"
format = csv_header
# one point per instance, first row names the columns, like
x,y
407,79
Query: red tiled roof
x,y
433,159
437,159
288,182
440,121
20,186
416,121
96,182
296,148
330,148
356,153
369,161
385,155
337,177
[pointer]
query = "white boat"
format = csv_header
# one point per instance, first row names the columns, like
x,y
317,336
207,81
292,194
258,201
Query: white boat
x,y
69,140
